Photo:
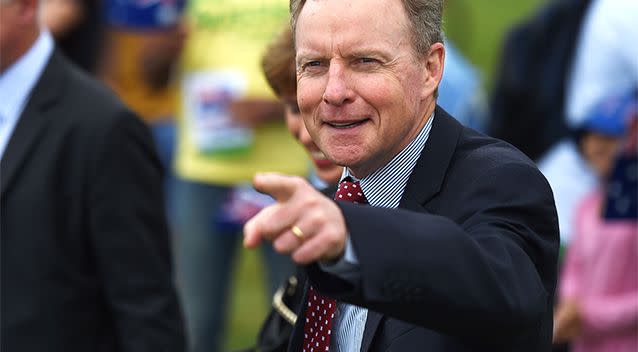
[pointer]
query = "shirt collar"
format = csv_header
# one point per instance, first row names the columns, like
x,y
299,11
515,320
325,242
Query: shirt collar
x,y
18,80
384,187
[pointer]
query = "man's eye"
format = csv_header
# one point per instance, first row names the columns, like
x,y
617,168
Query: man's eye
x,y
311,65
367,60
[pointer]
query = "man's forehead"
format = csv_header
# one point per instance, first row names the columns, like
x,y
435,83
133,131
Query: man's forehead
x,y
347,48
379,23
369,12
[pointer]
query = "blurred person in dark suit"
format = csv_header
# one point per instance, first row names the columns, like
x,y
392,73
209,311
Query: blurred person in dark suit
x,y
85,256
445,250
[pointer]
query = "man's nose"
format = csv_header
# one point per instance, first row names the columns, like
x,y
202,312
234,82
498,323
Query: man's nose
x,y
337,90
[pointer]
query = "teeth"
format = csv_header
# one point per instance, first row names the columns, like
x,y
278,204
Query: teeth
x,y
337,125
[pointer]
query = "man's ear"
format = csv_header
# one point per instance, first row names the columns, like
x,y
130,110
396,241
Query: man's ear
x,y
434,62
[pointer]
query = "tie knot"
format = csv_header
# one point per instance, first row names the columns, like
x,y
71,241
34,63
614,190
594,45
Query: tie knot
x,y
350,192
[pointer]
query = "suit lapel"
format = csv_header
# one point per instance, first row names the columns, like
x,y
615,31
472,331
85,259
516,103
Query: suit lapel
x,y
33,120
430,170
372,323
424,183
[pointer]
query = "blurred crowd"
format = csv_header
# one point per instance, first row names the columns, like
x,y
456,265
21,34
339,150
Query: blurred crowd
x,y
214,81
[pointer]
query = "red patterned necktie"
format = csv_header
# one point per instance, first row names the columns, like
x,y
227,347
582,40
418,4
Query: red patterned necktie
x,y
321,310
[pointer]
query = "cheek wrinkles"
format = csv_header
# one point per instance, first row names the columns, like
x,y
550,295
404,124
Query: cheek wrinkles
x,y
309,97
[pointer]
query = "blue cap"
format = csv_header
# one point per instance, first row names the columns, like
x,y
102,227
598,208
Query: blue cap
x,y
611,116
144,14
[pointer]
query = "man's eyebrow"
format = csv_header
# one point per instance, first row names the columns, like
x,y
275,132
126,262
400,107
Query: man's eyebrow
x,y
367,52
363,52
364,49
308,52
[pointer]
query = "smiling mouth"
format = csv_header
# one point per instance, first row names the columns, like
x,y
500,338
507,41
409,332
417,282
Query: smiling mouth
x,y
345,125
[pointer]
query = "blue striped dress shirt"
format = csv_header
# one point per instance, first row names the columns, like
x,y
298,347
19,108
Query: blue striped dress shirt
x,y
382,188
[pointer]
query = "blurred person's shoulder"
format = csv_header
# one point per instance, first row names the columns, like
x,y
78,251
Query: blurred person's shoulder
x,y
86,101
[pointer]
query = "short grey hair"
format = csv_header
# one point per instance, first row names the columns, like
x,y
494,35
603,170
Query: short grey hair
x,y
425,16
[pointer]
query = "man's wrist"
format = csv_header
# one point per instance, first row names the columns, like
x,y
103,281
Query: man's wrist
x,y
342,263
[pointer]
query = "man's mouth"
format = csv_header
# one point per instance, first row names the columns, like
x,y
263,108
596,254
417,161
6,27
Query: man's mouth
x,y
344,125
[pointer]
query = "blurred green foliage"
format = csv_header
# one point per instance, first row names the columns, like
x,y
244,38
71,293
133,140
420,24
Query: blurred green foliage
x,y
477,28
249,305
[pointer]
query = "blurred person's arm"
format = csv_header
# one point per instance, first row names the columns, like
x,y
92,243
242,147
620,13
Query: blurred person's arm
x,y
255,111
567,319
140,65
567,322
60,16
595,315
613,314
129,237
160,52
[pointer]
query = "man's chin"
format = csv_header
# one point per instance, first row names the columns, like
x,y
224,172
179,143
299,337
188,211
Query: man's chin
x,y
356,165
343,159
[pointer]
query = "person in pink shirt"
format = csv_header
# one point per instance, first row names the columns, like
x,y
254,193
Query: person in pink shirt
x,y
598,308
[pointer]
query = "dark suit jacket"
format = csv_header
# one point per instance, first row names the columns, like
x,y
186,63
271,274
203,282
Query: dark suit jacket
x,y
85,258
468,262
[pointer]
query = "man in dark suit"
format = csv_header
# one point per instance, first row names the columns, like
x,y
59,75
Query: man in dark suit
x,y
85,257
457,247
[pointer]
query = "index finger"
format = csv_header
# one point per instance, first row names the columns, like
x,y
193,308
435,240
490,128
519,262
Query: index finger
x,y
281,187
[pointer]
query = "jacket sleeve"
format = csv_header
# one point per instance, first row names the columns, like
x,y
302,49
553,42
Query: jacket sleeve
x,y
485,269
130,238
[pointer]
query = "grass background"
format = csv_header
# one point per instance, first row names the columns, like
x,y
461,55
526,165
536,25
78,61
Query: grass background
x,y
477,27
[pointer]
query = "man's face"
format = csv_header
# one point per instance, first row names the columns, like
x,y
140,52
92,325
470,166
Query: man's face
x,y
361,89
8,31
327,171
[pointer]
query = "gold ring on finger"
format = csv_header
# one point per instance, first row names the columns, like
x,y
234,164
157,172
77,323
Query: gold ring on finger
x,y
297,232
